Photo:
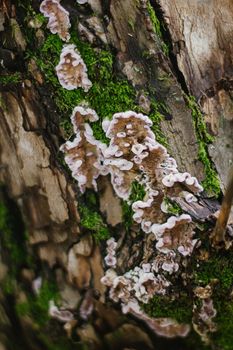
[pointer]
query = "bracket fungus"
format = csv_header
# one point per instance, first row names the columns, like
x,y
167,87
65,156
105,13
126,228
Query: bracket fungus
x,y
59,22
165,327
59,314
71,69
83,155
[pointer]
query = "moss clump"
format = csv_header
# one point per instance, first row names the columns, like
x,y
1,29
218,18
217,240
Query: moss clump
x,y
156,116
172,207
37,306
161,306
218,267
157,27
211,183
93,221
10,79
223,338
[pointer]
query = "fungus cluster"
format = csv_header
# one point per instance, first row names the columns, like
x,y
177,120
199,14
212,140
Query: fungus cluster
x,y
59,22
110,258
83,155
71,70
165,327
132,154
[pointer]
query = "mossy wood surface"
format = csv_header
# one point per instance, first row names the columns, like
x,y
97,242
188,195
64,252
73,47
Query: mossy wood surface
x,y
42,213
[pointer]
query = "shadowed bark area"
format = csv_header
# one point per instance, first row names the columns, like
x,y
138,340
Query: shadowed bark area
x,y
145,56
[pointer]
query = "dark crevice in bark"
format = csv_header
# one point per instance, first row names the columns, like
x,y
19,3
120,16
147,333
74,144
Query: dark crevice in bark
x,y
166,37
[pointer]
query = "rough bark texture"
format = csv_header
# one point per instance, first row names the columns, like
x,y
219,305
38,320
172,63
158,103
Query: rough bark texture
x,y
44,229
201,33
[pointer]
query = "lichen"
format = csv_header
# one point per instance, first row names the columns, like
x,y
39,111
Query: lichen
x,y
211,182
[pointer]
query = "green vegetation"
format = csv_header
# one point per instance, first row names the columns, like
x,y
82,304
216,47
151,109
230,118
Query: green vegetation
x,y
156,116
7,79
107,95
172,207
211,183
37,306
92,220
223,338
157,27
220,267
161,306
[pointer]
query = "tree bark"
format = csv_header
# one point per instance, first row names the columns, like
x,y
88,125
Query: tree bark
x,y
175,58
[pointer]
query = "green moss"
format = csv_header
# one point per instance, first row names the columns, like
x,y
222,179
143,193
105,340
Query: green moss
x,y
107,95
93,221
223,338
156,116
220,267
37,306
7,79
211,183
172,207
161,306
157,27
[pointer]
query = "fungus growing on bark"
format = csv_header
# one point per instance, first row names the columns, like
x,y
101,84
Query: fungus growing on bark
x,y
132,151
60,315
203,319
59,22
185,178
176,234
168,262
83,155
71,70
165,327
81,2
110,258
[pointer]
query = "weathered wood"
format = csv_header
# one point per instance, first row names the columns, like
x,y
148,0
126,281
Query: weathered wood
x,y
201,33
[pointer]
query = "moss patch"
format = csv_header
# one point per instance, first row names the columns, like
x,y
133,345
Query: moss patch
x,y
108,94
161,306
157,27
37,306
211,183
172,207
156,116
91,219
10,79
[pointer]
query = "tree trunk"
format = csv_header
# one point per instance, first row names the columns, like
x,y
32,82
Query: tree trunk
x,y
170,60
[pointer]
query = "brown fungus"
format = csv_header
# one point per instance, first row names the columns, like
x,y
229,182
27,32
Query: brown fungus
x,y
59,22
71,70
83,155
